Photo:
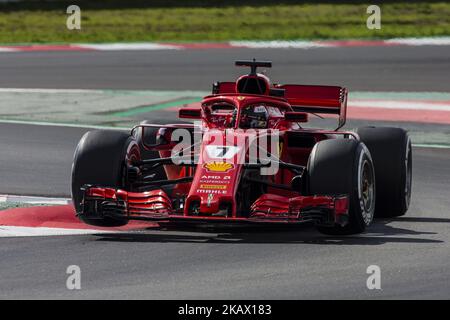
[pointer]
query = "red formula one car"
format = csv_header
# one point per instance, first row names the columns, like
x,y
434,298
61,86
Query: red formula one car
x,y
246,159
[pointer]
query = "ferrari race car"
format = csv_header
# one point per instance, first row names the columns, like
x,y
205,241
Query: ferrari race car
x,y
245,157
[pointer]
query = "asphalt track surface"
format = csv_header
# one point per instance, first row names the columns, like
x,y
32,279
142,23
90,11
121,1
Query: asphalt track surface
x,y
358,68
412,251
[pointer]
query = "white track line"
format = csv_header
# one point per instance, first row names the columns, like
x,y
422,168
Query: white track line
x,y
34,200
403,104
128,46
10,231
45,90
299,44
67,125
295,44
280,44
3,49
441,41
432,146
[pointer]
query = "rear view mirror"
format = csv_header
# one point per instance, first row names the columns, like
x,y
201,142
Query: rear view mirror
x,y
190,113
161,138
293,116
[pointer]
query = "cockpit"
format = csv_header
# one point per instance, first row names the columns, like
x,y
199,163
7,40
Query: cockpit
x,y
254,116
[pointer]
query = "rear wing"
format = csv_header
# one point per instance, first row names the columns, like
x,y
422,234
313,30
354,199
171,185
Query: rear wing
x,y
317,99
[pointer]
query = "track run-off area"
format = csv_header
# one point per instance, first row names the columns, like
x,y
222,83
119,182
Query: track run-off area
x,y
50,98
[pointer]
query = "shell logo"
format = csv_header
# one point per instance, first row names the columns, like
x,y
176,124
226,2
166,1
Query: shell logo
x,y
217,166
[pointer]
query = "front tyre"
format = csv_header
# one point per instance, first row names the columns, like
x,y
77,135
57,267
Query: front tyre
x,y
344,167
100,159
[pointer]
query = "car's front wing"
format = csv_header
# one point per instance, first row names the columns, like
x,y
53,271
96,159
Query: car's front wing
x,y
155,205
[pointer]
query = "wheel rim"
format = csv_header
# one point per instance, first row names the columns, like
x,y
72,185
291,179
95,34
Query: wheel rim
x,y
408,176
367,191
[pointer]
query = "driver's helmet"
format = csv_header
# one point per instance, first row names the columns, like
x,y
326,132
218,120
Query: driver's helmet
x,y
254,117
163,136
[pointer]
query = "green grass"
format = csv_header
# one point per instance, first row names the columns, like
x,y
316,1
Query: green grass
x,y
24,23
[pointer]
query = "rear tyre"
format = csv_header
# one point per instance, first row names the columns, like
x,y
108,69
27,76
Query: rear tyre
x,y
100,159
392,157
344,166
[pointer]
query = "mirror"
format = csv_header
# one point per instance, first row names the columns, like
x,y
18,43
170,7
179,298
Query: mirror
x,y
293,116
190,113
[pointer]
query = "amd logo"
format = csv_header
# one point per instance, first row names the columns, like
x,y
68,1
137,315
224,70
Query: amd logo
x,y
216,177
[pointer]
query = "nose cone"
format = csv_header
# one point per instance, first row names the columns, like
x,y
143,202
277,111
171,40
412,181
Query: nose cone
x,y
217,176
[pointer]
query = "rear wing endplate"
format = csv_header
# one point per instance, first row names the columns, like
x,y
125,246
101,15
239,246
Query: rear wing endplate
x,y
317,99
